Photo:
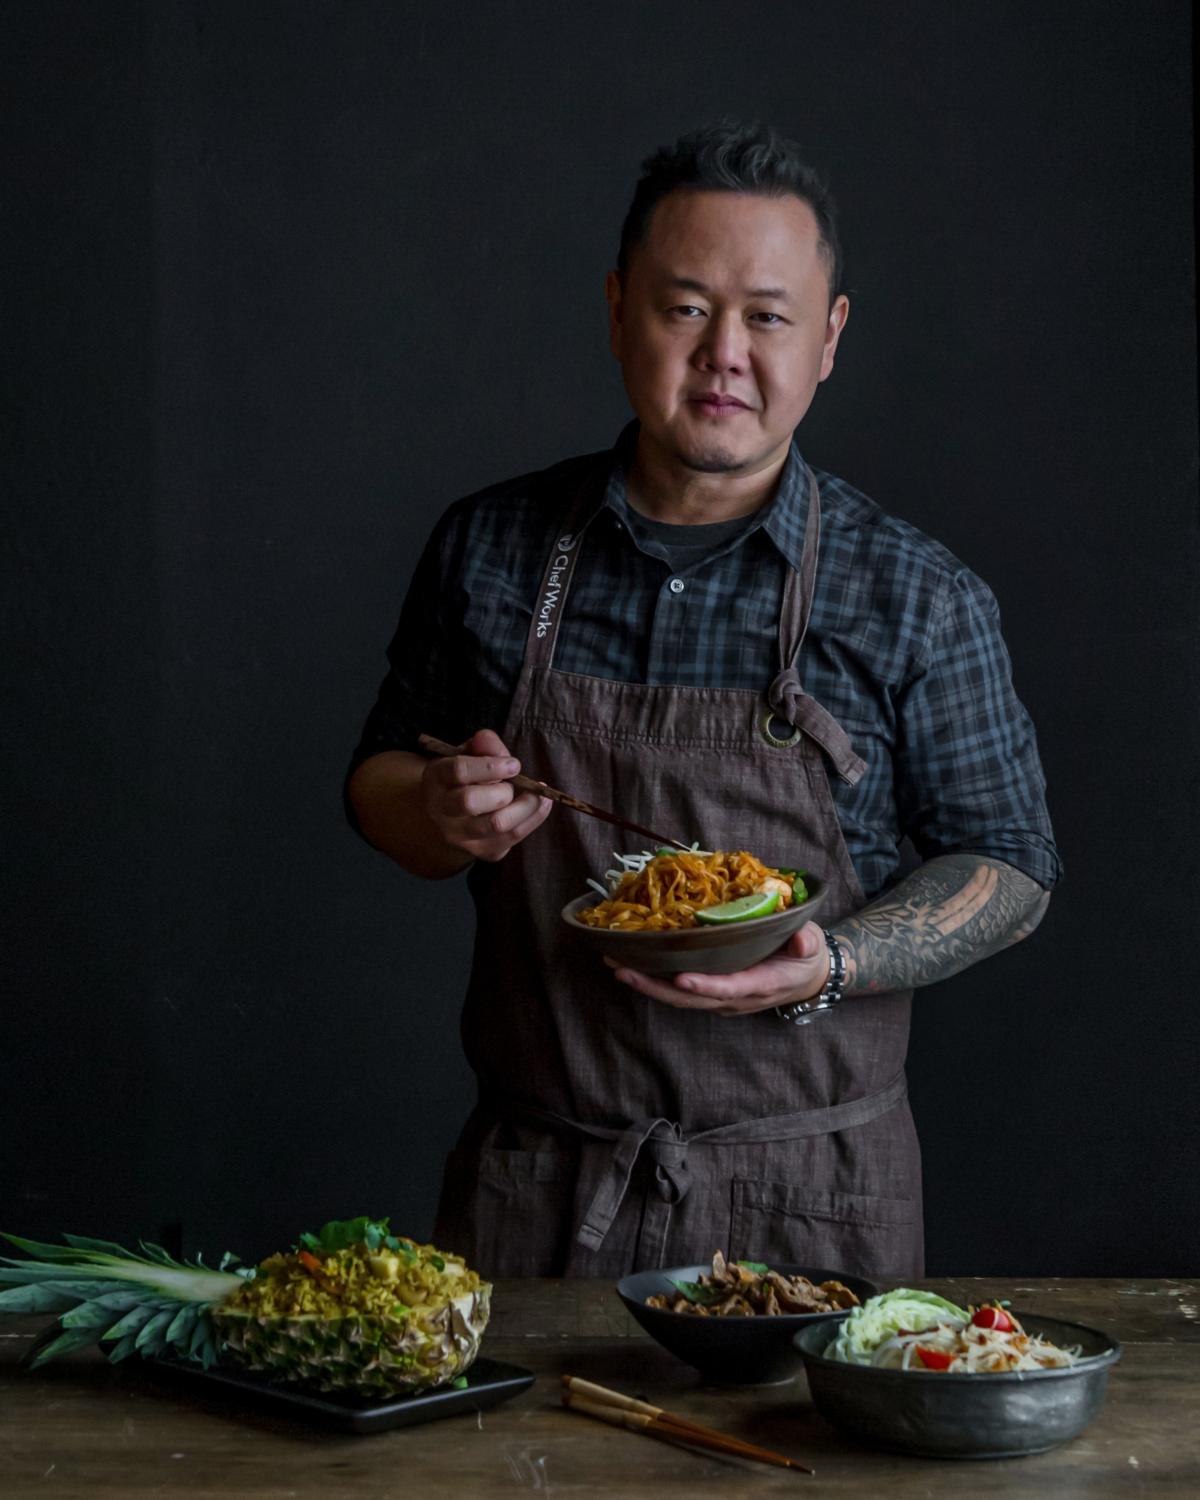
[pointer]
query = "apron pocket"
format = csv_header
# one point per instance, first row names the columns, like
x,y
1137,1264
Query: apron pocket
x,y
865,1236
511,1209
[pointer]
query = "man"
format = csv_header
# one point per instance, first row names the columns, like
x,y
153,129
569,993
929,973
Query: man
x,y
702,632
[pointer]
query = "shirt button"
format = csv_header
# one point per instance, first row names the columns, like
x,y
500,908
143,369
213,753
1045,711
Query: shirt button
x,y
676,585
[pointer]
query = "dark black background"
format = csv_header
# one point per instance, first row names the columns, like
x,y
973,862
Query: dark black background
x,y
293,277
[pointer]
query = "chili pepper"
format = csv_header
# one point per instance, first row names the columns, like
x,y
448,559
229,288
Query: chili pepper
x,y
993,1317
934,1359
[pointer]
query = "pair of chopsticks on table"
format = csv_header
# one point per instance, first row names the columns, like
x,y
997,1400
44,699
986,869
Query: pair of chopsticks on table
x,y
639,1416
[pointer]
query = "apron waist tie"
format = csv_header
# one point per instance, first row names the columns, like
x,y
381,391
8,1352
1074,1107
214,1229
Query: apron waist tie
x,y
668,1147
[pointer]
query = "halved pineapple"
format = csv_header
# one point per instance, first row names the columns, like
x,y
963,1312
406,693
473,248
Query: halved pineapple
x,y
402,1319
352,1308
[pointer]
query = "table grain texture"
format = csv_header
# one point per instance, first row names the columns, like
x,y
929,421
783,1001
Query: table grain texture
x,y
84,1427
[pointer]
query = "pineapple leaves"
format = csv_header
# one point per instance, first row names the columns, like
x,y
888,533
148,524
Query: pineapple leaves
x,y
49,1347
95,1314
21,1272
157,1254
182,1325
134,1320
45,1252
137,1303
36,1299
202,1345
105,1247
201,1334
118,1300
153,1336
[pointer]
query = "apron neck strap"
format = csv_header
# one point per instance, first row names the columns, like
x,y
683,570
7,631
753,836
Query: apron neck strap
x,y
796,605
581,510
786,694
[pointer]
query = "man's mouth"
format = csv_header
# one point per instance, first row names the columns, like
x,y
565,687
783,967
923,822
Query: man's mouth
x,y
718,402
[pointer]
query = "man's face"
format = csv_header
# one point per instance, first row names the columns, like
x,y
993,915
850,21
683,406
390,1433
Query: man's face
x,y
728,297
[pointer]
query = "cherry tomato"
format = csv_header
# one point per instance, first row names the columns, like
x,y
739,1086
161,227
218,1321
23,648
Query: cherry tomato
x,y
934,1359
993,1317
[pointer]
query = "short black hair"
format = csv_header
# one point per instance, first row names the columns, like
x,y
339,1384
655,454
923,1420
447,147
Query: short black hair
x,y
732,157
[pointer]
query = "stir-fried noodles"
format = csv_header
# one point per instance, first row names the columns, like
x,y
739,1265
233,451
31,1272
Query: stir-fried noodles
x,y
670,888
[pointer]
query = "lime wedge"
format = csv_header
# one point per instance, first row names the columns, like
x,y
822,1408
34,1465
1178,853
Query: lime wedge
x,y
757,904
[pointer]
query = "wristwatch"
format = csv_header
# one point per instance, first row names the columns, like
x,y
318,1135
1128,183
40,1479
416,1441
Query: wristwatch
x,y
800,1012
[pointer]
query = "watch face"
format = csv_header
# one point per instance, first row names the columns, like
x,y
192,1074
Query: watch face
x,y
801,1011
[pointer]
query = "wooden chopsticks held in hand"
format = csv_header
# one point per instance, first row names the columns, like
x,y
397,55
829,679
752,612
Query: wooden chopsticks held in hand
x,y
639,1416
433,746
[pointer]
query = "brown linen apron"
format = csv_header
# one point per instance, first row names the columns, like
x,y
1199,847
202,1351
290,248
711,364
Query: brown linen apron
x,y
614,1132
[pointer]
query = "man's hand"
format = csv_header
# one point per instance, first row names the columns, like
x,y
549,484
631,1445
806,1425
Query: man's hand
x,y
473,805
797,972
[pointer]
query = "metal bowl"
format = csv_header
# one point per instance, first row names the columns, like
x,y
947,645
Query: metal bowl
x,y
731,1350
939,1415
697,950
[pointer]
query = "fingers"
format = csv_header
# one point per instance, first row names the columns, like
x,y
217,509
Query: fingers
x,y
535,819
471,770
711,992
486,742
471,784
491,812
665,990
809,942
475,805
775,981
508,818
479,799
492,837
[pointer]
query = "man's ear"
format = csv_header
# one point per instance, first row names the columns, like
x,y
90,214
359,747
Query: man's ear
x,y
838,314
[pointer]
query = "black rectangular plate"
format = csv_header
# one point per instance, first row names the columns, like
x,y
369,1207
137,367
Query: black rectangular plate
x,y
489,1381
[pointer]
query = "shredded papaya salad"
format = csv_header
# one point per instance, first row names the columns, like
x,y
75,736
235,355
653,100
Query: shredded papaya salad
x,y
907,1330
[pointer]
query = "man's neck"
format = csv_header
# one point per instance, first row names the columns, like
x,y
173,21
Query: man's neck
x,y
670,492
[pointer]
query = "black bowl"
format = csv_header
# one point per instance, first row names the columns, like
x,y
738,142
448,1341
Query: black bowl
x,y
939,1415
722,949
733,1350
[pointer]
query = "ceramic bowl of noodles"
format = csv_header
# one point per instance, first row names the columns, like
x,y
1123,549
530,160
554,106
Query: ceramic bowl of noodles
x,y
658,913
735,1322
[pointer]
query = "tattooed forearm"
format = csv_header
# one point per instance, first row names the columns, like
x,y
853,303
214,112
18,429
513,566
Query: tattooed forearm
x,y
945,916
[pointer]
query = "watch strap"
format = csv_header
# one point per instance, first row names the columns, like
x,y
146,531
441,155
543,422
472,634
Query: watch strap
x,y
801,1011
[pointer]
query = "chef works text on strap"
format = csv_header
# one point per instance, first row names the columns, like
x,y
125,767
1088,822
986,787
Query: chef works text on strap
x,y
560,569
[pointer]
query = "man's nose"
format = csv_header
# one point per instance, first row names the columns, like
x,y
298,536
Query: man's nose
x,y
725,345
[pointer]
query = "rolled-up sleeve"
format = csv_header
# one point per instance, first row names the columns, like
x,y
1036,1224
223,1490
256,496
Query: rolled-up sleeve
x,y
968,773
416,695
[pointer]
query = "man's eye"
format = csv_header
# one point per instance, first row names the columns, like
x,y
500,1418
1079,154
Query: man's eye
x,y
774,318
685,310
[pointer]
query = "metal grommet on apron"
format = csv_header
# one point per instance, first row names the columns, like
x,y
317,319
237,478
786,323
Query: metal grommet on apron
x,y
776,731
614,1132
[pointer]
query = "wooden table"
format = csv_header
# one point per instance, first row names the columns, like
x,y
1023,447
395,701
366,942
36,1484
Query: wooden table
x,y
83,1427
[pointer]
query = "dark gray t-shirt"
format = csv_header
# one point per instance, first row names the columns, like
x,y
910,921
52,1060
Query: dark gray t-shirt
x,y
682,546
